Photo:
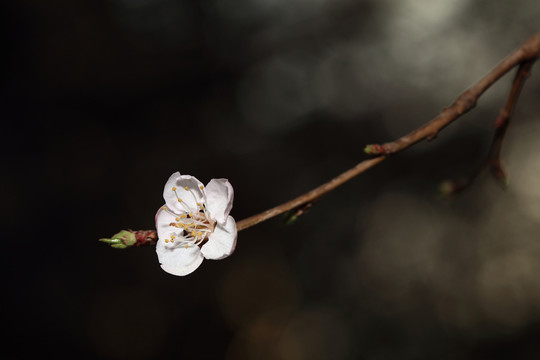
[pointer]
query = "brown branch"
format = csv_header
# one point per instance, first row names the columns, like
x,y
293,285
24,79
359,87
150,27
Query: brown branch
x,y
502,122
311,195
493,159
528,52
145,237
524,56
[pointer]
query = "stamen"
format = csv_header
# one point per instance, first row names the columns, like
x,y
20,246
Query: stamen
x,y
194,225
195,198
204,197
180,200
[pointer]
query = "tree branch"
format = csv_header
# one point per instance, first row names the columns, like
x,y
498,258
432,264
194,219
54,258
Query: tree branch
x,y
523,56
502,122
527,53
311,195
493,159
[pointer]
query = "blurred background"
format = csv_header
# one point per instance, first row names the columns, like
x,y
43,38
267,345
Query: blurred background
x,y
104,99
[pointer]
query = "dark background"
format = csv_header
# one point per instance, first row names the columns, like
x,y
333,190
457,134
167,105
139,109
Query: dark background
x,y
103,99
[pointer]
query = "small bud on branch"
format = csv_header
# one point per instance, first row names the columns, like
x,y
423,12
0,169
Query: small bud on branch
x,y
129,238
374,149
121,240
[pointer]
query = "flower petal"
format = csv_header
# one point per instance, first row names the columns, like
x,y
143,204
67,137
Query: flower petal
x,y
181,200
164,218
178,260
222,241
219,199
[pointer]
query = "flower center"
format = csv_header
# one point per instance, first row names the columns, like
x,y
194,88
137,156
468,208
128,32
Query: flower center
x,y
195,226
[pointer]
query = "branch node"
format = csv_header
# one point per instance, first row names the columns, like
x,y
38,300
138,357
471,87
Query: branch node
x,y
449,188
465,103
375,149
432,136
292,215
502,119
499,174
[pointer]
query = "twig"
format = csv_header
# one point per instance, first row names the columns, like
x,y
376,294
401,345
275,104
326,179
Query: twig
x,y
502,122
527,53
493,159
523,56
311,195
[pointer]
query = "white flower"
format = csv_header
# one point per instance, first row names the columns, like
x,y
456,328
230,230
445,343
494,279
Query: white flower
x,y
194,223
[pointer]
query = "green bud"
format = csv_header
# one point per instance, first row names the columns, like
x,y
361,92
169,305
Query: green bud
x,y
374,149
291,216
122,240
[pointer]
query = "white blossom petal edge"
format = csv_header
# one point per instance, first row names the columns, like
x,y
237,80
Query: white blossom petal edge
x,y
194,224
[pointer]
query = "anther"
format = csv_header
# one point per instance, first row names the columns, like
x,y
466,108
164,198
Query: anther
x,y
174,188
202,187
179,200
186,188
166,240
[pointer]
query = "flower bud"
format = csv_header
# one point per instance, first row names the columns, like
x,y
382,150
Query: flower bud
x,y
122,240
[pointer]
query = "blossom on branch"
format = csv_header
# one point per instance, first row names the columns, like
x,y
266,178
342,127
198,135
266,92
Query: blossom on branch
x,y
194,223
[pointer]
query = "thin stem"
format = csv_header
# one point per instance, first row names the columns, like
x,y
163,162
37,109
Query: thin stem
x,y
528,52
502,122
311,195
523,56
493,159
